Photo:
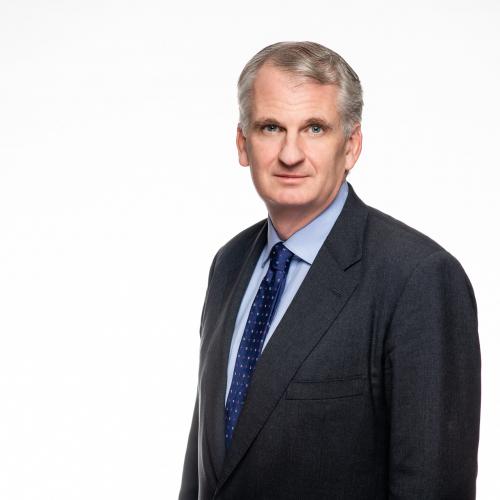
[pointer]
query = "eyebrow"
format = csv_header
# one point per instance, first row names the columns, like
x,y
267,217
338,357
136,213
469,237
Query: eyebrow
x,y
261,122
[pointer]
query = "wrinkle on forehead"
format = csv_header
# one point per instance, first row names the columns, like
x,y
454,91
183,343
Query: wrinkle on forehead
x,y
277,91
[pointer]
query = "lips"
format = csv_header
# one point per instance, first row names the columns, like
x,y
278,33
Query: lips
x,y
286,176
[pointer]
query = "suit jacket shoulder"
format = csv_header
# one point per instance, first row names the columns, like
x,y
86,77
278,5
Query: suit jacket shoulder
x,y
397,249
229,255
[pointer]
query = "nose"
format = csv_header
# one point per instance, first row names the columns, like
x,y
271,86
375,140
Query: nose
x,y
291,152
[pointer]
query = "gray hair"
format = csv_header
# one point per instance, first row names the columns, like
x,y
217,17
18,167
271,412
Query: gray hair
x,y
308,60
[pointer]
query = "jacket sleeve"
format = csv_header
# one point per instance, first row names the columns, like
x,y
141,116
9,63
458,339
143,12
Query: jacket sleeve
x,y
433,384
189,483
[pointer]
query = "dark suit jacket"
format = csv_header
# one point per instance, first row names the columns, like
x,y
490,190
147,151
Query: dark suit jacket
x,y
369,387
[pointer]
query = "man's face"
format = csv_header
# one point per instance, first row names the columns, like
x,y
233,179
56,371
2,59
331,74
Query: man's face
x,y
295,145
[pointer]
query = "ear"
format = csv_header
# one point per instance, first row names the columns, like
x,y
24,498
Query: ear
x,y
353,146
241,144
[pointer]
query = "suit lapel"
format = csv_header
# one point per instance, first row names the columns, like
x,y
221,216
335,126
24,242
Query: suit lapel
x,y
321,296
214,368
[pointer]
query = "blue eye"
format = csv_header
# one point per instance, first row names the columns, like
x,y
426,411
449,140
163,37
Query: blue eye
x,y
270,127
316,129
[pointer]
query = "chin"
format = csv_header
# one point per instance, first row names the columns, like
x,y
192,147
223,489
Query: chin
x,y
288,202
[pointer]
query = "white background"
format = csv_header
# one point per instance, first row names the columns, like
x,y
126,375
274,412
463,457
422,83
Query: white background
x,y
119,181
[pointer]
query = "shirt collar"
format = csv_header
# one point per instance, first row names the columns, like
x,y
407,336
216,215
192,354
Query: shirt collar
x,y
306,242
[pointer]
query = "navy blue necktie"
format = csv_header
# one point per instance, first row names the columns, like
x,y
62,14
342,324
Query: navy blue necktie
x,y
256,328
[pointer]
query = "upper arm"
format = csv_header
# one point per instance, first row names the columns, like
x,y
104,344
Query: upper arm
x,y
433,371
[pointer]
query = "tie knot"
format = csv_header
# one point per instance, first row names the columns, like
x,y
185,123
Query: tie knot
x,y
280,257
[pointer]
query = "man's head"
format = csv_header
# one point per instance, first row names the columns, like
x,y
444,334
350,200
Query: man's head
x,y
299,130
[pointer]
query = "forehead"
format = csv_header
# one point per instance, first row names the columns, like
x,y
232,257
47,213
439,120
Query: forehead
x,y
281,94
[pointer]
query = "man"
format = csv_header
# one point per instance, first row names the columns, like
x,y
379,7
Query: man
x,y
339,352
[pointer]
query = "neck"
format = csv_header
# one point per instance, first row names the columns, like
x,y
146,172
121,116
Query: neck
x,y
289,220
286,225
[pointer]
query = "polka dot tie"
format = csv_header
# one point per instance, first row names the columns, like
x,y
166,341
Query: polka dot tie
x,y
256,328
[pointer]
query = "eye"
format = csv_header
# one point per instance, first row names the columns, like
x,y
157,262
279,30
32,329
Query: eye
x,y
270,127
315,128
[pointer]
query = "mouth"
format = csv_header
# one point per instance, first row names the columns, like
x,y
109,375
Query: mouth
x,y
289,178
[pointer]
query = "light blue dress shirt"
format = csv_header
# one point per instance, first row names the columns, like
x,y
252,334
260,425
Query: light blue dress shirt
x,y
305,244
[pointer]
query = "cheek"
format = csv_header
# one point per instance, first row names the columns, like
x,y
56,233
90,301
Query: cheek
x,y
262,156
324,161
334,162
